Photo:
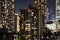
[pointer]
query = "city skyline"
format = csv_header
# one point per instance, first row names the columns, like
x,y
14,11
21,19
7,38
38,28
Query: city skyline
x,y
29,19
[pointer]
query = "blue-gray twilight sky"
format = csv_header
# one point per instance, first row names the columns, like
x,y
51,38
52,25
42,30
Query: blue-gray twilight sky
x,y
23,4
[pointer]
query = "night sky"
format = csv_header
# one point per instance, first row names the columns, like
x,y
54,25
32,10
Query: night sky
x,y
23,4
51,3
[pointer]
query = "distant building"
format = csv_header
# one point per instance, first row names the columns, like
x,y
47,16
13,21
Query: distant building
x,y
58,14
32,21
7,25
17,26
41,5
7,14
28,24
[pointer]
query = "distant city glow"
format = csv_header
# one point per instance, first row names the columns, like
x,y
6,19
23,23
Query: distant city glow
x,y
51,26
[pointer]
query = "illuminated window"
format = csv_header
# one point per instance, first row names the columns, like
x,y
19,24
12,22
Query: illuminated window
x,y
42,0
42,5
22,26
34,22
35,32
12,0
32,13
5,4
27,20
27,35
12,5
34,28
35,17
36,2
27,27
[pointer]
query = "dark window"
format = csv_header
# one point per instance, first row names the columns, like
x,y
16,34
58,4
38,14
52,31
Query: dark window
x,y
50,22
